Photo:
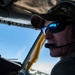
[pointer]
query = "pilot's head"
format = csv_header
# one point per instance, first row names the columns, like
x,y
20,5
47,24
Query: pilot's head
x,y
58,25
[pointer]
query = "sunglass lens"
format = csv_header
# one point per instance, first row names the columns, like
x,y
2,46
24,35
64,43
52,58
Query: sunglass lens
x,y
52,27
55,27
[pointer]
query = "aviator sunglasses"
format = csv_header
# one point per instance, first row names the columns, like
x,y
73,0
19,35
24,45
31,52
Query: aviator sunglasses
x,y
56,27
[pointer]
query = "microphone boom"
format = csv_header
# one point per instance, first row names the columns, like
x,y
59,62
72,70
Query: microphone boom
x,y
53,45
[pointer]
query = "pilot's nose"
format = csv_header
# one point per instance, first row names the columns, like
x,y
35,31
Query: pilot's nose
x,y
48,34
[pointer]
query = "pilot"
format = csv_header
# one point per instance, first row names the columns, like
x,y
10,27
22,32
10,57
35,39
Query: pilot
x,y
58,26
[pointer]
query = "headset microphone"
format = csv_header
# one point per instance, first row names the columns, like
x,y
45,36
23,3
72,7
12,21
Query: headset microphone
x,y
53,45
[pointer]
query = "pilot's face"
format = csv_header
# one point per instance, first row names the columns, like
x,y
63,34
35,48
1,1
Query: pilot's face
x,y
58,39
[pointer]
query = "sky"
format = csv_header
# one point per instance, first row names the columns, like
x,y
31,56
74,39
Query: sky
x,y
15,42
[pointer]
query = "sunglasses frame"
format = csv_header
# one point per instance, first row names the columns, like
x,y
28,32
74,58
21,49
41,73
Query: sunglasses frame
x,y
57,26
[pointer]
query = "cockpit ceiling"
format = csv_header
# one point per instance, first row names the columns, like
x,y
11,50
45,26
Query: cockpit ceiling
x,y
22,10
39,6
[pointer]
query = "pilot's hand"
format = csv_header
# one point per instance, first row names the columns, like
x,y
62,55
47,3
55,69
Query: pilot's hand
x,y
23,72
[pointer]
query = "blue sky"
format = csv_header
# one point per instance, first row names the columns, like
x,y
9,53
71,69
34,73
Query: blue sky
x,y
15,42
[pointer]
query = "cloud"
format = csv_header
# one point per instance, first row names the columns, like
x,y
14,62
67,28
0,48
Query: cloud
x,y
43,67
20,52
